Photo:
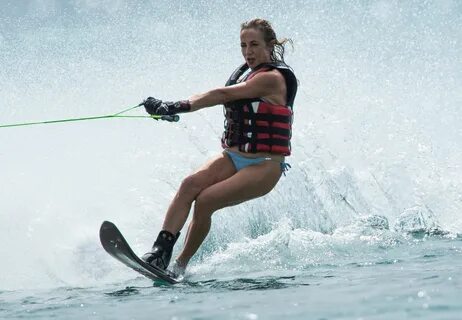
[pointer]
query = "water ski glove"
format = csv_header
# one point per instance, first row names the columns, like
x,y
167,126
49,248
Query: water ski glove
x,y
158,107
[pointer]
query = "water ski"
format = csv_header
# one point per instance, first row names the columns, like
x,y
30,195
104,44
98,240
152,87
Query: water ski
x,y
115,244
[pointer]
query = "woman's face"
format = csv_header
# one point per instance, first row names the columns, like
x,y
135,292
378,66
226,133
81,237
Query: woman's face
x,y
253,47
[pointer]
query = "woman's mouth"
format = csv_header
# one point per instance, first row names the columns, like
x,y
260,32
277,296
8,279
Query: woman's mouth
x,y
250,61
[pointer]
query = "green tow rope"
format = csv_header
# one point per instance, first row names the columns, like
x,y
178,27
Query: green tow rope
x,y
170,118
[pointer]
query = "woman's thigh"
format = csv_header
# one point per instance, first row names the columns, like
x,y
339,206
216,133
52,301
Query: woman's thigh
x,y
249,183
215,170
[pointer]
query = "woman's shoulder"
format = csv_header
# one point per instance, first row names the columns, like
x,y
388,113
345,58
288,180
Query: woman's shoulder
x,y
269,74
271,78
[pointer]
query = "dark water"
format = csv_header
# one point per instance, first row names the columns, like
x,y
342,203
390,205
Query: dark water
x,y
421,279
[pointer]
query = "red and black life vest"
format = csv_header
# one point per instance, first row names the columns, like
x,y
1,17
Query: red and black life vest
x,y
255,125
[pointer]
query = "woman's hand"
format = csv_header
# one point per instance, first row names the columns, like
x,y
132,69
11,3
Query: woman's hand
x,y
158,107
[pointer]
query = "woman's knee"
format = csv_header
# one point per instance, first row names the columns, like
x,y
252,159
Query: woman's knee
x,y
204,206
190,187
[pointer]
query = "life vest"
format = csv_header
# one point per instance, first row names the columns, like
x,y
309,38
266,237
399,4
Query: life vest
x,y
255,125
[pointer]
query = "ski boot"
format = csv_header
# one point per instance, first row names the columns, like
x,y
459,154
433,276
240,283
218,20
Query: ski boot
x,y
161,251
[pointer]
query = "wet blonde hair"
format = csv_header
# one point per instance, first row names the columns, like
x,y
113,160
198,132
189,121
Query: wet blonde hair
x,y
278,46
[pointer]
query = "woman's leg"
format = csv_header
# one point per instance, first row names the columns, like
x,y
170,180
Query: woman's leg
x,y
213,172
216,170
249,183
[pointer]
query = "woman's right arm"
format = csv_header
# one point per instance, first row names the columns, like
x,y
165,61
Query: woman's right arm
x,y
263,84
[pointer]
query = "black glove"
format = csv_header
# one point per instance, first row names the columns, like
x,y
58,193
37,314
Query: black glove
x,y
158,107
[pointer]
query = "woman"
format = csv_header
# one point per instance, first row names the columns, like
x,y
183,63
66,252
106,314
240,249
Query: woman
x,y
258,111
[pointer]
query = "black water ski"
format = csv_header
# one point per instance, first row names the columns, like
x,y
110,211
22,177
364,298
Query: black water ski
x,y
115,244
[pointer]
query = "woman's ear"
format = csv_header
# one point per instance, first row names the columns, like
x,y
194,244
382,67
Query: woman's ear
x,y
271,45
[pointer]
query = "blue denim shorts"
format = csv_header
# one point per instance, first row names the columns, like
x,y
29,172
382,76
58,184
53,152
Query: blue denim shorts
x,y
241,162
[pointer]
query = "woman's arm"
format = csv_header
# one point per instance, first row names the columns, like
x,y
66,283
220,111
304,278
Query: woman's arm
x,y
263,84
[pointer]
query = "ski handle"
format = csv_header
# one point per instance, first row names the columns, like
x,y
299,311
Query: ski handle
x,y
170,118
